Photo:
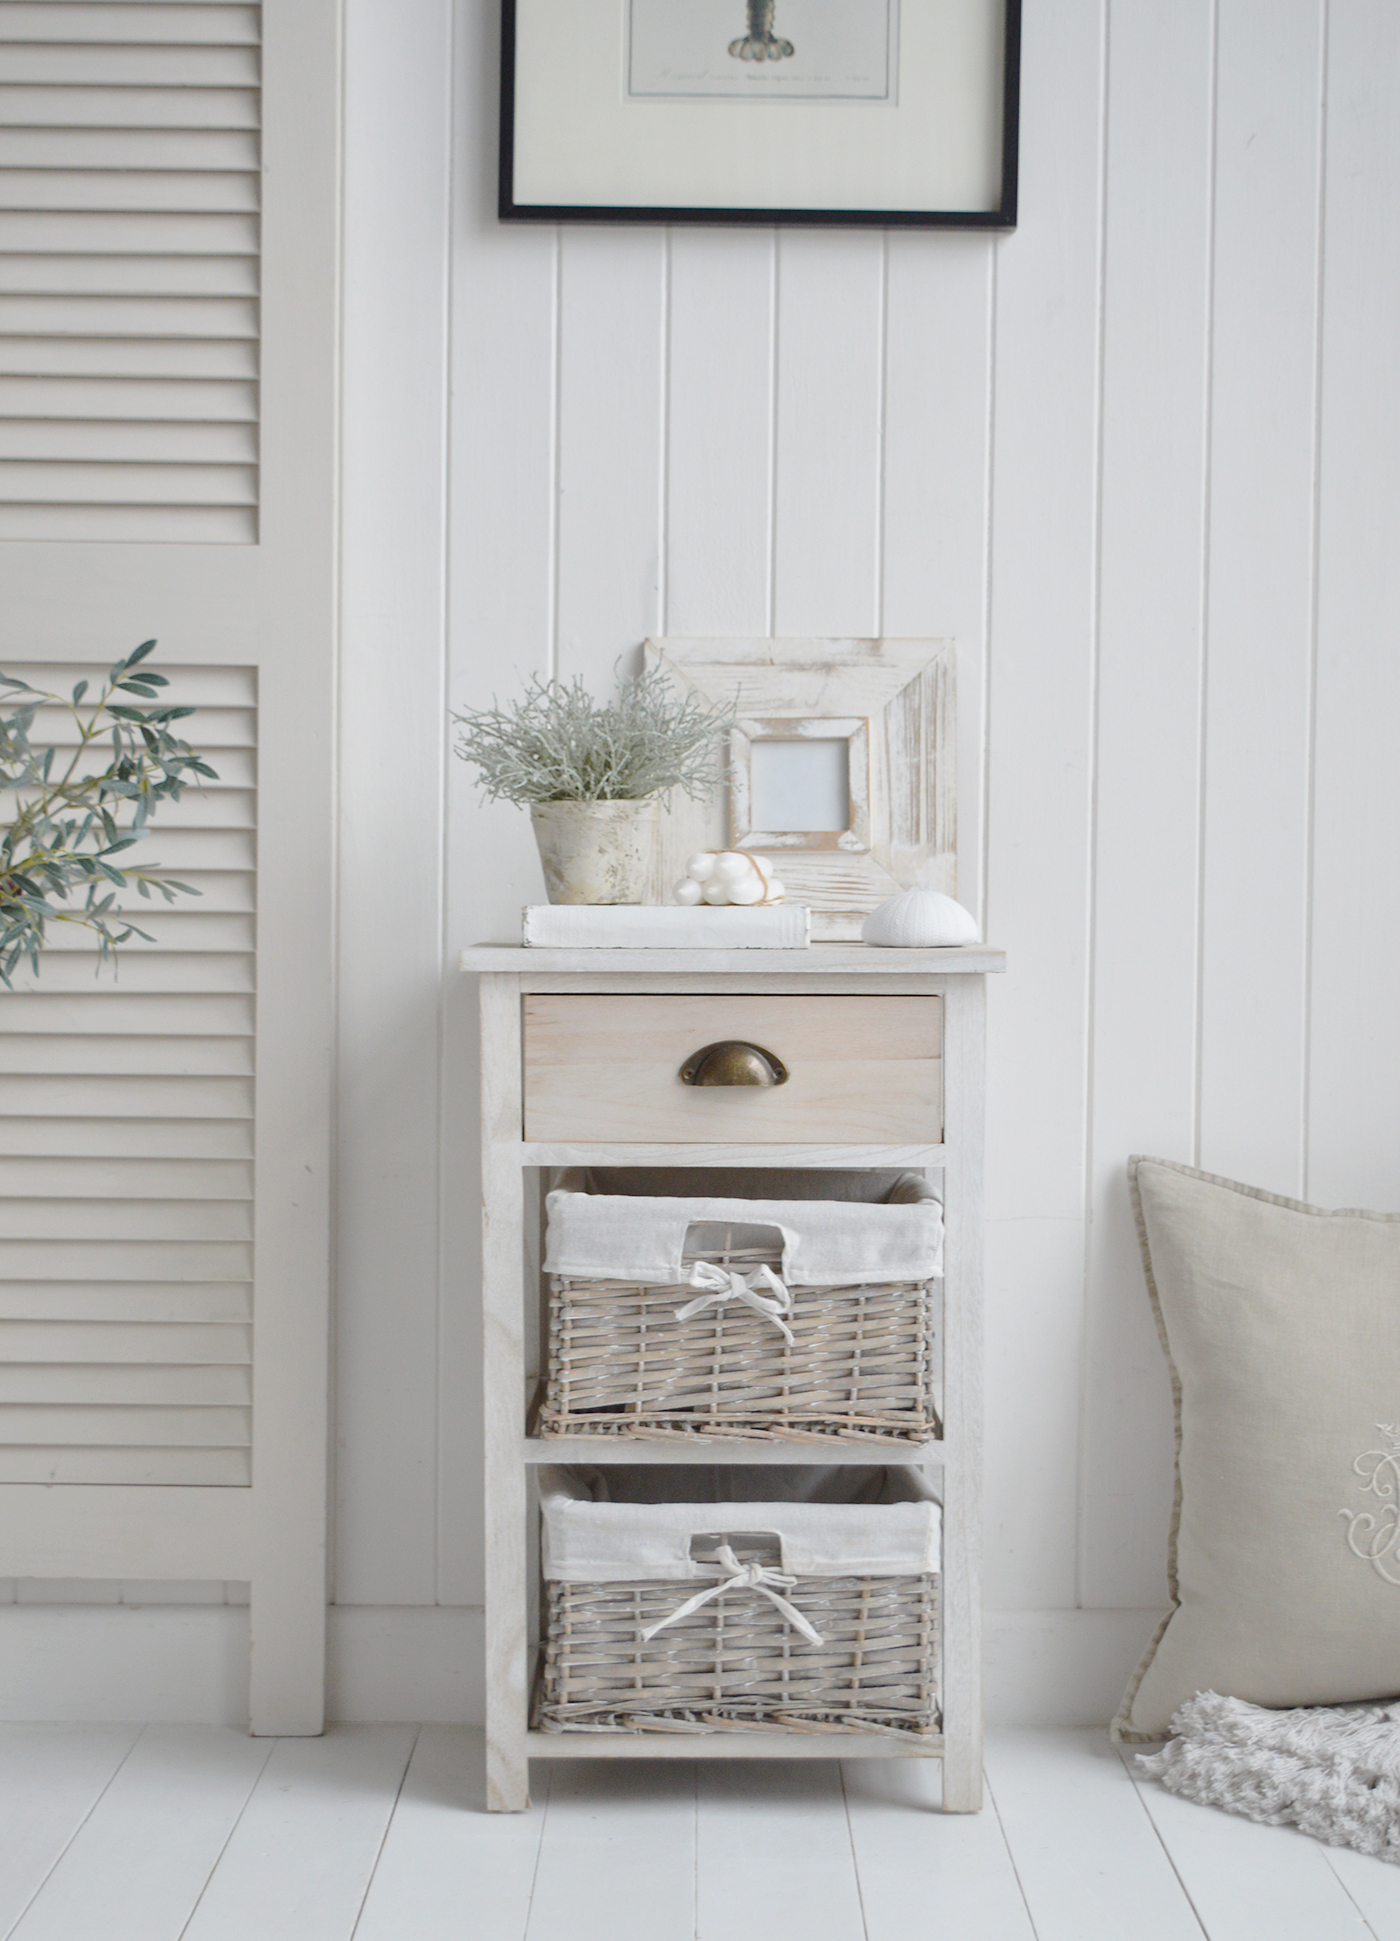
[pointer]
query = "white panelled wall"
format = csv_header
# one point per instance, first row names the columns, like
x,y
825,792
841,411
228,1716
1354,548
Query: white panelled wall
x,y
1142,458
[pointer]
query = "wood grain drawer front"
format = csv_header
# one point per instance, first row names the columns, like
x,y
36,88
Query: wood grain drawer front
x,y
607,1069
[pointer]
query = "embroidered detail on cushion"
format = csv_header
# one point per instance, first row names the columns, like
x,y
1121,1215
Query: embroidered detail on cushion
x,y
1374,1535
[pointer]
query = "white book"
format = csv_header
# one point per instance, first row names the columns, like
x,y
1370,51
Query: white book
x,y
648,926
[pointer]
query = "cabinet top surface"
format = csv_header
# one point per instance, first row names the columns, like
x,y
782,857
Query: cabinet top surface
x,y
846,960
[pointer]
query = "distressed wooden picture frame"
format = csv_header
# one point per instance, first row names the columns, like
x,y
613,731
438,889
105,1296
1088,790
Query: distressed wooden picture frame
x,y
892,702
854,838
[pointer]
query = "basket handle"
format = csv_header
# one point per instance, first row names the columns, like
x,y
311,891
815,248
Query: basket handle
x,y
735,1576
721,1285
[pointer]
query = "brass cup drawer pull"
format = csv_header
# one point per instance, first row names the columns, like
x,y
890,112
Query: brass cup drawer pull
x,y
733,1062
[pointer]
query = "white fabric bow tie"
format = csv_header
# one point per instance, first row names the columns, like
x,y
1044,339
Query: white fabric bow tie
x,y
722,1284
741,1577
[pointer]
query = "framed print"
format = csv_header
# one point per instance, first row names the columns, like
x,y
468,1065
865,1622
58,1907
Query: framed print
x,y
885,112
841,767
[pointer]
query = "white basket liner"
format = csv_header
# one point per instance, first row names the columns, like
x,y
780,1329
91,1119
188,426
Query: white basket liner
x,y
826,1243
592,1541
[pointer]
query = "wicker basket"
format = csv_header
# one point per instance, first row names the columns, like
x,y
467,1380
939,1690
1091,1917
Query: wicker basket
x,y
738,1663
855,1360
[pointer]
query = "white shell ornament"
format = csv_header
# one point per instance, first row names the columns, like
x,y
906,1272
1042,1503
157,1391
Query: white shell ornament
x,y
920,919
720,876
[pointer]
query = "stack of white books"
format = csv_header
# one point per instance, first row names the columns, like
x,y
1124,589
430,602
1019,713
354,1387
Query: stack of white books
x,y
645,926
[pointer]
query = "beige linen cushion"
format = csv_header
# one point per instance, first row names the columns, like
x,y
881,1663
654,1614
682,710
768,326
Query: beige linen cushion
x,y
1281,1325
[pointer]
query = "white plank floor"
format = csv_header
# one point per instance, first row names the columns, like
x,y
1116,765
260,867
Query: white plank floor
x,y
376,1833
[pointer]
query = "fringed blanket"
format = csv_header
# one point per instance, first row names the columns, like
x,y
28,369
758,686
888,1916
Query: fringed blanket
x,y
1331,1770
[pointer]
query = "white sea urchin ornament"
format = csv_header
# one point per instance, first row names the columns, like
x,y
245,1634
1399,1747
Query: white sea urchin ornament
x,y
920,918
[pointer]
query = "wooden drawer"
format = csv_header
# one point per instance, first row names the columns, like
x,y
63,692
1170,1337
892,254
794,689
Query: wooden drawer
x,y
862,1070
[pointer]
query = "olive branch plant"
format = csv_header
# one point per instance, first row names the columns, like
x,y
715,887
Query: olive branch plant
x,y
64,833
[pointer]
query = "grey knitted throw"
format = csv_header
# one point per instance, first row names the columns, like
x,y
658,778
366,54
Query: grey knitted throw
x,y
1331,1770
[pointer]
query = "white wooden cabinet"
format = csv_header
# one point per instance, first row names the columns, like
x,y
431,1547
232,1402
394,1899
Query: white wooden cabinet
x,y
912,1099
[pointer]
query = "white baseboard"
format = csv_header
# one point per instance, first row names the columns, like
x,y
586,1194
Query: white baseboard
x,y
1060,1667
392,1662
188,1664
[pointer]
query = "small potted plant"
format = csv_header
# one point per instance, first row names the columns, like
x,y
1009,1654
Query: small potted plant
x,y
595,776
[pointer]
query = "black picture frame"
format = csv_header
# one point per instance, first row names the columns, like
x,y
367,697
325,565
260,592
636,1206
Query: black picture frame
x,y
1003,217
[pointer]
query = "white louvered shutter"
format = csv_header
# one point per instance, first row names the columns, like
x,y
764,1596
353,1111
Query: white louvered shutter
x,y
168,332
129,246
126,1150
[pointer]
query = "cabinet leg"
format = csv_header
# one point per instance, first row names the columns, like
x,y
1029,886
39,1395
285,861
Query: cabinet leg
x,y
503,1363
962,1779
507,1779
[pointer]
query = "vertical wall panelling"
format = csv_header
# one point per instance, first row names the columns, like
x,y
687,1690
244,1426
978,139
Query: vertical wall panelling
x,y
1045,459
1260,606
830,298
938,294
394,734
1146,837
1354,1133
1086,450
612,325
502,586
503,399
719,420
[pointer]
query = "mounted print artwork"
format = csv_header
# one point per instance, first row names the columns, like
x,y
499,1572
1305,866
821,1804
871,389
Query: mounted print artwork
x,y
840,768
680,50
892,112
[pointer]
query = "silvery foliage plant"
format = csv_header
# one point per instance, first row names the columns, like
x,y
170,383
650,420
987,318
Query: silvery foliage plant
x,y
558,744
79,807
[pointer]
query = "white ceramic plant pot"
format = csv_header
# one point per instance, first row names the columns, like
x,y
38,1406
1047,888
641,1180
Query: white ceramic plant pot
x,y
596,852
